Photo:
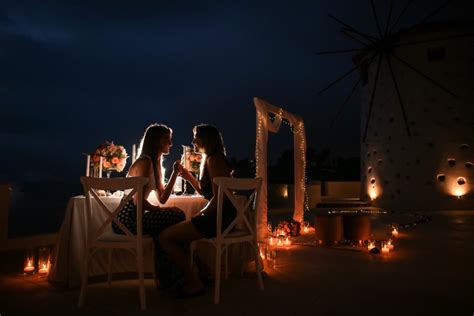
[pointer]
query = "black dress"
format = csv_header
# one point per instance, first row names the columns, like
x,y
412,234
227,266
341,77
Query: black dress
x,y
153,223
205,221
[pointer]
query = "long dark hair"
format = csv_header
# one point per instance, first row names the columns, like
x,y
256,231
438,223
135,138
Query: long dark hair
x,y
211,139
150,144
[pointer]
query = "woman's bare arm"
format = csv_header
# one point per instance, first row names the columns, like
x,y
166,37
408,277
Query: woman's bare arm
x,y
217,167
165,193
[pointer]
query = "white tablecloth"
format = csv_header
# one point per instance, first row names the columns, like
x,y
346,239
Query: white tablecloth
x,y
68,254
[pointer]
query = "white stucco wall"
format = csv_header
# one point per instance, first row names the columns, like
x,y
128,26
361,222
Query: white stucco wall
x,y
403,172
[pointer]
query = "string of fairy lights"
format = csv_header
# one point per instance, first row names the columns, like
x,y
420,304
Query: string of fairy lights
x,y
299,130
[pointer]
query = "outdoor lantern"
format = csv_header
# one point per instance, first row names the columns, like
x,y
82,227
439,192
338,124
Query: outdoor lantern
x,y
29,263
43,260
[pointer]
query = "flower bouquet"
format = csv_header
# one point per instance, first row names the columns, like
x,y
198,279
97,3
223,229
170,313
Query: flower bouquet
x,y
191,160
288,227
114,157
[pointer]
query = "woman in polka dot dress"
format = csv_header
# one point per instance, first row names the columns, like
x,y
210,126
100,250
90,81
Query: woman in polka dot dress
x,y
155,143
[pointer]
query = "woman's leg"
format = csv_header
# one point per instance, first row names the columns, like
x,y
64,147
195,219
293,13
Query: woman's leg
x,y
172,240
154,222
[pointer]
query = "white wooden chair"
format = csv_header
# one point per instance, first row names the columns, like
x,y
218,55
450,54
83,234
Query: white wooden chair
x,y
104,237
243,229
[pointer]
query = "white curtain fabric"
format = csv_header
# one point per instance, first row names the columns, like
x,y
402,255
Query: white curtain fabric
x,y
265,125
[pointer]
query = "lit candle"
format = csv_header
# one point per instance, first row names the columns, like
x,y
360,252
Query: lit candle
x,y
44,268
370,246
395,232
306,230
287,241
389,244
88,165
385,249
134,153
29,267
272,241
100,167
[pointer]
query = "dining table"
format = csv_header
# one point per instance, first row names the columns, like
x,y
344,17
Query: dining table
x,y
71,245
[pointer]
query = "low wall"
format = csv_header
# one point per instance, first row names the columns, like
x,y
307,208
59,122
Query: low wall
x,y
282,195
342,189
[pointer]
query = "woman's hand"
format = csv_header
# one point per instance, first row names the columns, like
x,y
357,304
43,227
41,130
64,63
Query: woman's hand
x,y
186,175
177,167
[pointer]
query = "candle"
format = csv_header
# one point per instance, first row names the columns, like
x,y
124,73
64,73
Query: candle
x,y
100,167
88,165
29,267
385,248
44,268
370,246
134,153
389,244
272,241
287,242
395,232
43,260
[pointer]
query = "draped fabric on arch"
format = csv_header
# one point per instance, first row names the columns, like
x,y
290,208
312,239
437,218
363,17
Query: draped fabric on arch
x,y
265,125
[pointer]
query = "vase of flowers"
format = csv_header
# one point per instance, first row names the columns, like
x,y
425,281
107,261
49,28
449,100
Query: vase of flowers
x,y
114,157
191,161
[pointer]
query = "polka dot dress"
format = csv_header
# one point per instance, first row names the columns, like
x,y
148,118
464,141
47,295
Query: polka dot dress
x,y
169,276
154,222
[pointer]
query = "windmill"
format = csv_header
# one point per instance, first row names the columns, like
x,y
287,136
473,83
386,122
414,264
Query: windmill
x,y
379,48
417,109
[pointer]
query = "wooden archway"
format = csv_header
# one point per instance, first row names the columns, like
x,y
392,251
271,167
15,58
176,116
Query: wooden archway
x,y
265,125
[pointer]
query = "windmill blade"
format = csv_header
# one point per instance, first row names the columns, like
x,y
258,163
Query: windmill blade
x,y
400,15
395,83
349,96
341,77
423,75
366,36
372,98
341,51
346,31
447,38
429,16
376,18
388,18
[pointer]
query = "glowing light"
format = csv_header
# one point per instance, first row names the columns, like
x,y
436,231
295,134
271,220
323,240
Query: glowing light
x,y
459,192
29,267
389,244
385,248
371,245
395,232
373,193
284,192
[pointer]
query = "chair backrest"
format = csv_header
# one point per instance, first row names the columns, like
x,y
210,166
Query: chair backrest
x,y
244,195
130,187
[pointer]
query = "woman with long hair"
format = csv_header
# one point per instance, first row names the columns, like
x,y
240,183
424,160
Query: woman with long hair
x,y
175,239
156,143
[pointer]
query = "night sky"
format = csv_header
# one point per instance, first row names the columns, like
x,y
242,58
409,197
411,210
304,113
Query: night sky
x,y
77,73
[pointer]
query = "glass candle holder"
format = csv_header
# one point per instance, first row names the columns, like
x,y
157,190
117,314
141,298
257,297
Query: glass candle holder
x,y
43,260
29,262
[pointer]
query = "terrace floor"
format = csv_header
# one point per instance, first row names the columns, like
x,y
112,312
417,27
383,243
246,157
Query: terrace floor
x,y
430,272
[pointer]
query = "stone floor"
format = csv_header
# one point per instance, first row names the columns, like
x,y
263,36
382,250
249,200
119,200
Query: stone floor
x,y
430,272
